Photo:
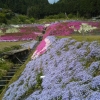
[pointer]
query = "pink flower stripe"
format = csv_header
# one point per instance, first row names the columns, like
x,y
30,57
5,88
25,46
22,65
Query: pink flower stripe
x,y
41,48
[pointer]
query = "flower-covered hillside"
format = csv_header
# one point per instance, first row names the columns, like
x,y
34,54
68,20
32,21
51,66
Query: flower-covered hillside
x,y
67,70
25,32
69,27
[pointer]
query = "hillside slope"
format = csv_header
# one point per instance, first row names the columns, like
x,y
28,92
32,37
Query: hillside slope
x,y
65,70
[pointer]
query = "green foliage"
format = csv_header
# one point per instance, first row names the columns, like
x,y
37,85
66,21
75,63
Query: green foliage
x,y
6,49
21,19
3,18
58,16
39,80
16,47
5,14
14,20
58,53
71,15
4,66
27,21
62,15
9,17
40,8
32,20
2,73
1,32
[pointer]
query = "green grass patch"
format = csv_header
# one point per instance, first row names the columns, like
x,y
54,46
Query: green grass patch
x,y
9,44
5,65
88,38
49,20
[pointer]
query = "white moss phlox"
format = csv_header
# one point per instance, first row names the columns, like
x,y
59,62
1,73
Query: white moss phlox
x,y
73,27
85,28
12,30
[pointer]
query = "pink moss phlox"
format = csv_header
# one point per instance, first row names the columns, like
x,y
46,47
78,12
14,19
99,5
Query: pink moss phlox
x,y
9,38
58,29
41,48
22,30
40,27
76,24
94,24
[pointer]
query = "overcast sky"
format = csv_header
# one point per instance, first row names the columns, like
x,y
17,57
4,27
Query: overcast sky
x,y
52,1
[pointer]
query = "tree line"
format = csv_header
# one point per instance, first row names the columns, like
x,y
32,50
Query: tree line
x,y
41,8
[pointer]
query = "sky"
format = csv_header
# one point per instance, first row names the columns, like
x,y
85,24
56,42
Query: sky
x,y
52,1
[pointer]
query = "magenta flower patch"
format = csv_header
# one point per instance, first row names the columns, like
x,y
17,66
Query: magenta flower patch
x,y
58,29
41,48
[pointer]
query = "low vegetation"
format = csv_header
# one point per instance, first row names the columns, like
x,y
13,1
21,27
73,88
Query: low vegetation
x,y
80,38
10,44
5,65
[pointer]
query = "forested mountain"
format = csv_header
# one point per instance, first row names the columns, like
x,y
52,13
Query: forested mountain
x,y
41,8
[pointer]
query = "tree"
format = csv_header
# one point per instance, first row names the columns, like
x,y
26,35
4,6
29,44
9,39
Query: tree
x,y
3,18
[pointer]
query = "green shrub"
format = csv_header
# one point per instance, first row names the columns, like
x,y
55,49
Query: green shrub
x,y
16,47
3,18
61,15
71,15
32,20
27,21
14,20
4,66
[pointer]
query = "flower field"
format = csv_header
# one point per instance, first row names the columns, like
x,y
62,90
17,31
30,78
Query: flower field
x,y
67,70
60,68
30,32
20,33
